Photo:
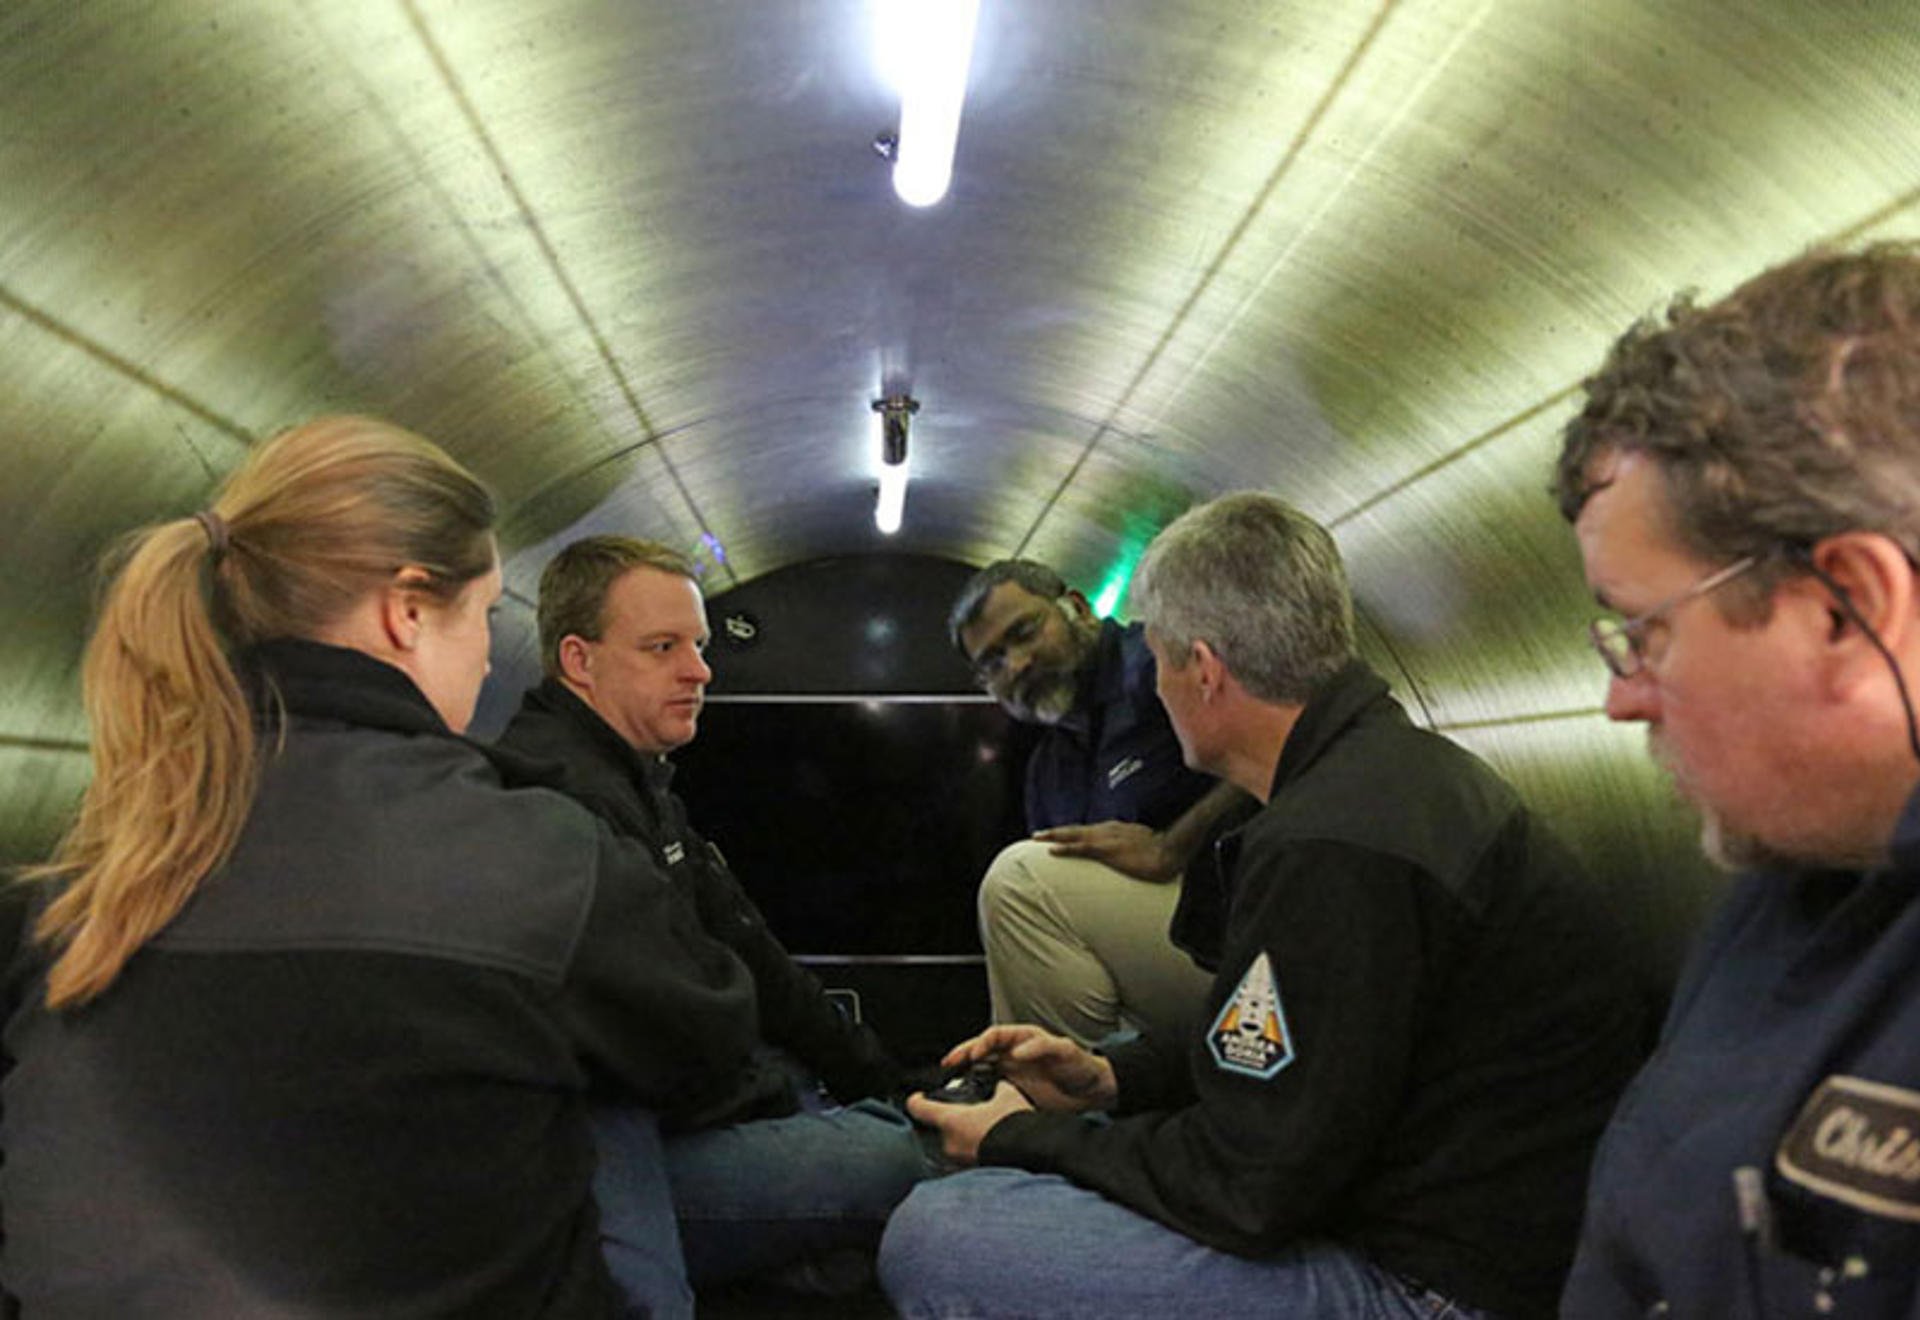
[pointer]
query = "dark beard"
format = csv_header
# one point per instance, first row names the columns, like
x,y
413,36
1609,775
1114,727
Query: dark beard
x,y
1050,695
1045,698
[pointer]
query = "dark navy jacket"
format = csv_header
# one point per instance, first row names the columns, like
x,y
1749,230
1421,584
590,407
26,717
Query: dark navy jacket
x,y
1115,756
1793,1050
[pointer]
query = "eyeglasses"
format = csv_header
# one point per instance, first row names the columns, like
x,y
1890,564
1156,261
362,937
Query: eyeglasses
x,y
1622,643
1019,637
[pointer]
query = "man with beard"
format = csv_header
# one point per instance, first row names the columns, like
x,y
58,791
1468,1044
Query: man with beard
x,y
1420,1022
1074,920
1744,483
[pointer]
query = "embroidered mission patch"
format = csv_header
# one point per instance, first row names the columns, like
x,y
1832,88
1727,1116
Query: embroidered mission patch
x,y
1250,1036
1859,1143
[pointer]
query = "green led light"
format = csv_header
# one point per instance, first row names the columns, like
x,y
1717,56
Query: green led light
x,y
1114,589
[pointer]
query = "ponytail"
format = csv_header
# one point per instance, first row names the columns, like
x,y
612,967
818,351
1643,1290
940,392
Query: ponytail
x,y
313,520
173,748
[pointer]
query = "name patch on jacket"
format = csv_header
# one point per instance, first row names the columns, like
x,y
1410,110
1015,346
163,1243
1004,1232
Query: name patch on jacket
x,y
1859,1143
1124,769
1250,1036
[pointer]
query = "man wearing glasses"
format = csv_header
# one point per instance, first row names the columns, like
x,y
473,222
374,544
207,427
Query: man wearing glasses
x,y
1744,483
1074,920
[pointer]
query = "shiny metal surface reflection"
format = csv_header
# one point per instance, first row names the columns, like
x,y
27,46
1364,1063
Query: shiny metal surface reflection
x,y
638,265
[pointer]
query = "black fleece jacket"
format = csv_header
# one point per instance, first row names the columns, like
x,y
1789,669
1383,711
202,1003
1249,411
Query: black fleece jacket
x,y
350,1078
564,741
1450,1026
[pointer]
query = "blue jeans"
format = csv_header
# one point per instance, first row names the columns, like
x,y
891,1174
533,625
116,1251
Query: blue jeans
x,y
1004,1242
638,1234
748,1199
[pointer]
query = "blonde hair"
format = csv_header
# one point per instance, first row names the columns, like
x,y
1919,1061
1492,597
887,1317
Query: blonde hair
x,y
314,520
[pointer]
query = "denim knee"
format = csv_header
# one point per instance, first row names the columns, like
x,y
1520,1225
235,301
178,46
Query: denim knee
x,y
896,1159
917,1251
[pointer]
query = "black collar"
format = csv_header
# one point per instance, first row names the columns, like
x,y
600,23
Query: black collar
x,y
1100,682
319,681
556,698
1336,704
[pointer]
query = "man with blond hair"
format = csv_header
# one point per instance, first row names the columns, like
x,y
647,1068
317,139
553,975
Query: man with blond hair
x,y
765,1175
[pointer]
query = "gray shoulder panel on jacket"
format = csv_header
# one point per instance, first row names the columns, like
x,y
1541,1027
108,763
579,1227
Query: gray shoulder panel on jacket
x,y
368,840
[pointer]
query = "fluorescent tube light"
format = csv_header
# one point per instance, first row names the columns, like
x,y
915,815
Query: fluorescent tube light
x,y
893,498
925,48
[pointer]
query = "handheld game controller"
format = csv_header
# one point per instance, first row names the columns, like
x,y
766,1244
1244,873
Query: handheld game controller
x,y
972,1084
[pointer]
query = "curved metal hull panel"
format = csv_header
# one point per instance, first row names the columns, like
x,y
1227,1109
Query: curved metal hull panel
x,y
637,264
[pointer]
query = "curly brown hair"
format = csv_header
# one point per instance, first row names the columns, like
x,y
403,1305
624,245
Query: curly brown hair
x,y
1786,412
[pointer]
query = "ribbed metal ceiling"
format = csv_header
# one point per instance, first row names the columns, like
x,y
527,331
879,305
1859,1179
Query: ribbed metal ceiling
x,y
638,264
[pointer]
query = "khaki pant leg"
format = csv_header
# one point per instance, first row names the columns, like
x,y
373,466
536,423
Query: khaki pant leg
x,y
1075,946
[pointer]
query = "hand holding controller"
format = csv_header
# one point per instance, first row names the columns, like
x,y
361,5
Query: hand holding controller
x,y
973,1084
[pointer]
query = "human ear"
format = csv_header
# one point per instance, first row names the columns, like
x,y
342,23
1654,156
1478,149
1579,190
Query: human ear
x,y
1213,669
1870,584
402,605
576,660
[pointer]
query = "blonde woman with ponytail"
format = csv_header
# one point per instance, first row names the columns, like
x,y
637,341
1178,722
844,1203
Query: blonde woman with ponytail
x,y
322,987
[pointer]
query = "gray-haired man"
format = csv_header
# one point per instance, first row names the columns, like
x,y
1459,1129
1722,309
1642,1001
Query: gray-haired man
x,y
1418,1025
